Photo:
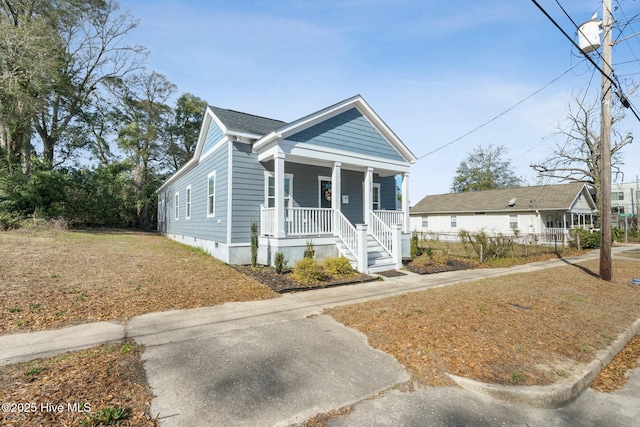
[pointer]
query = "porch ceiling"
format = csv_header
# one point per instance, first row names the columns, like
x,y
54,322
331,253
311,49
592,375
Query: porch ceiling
x,y
318,156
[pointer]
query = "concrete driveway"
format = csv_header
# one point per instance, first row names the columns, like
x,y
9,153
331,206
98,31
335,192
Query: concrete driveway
x,y
274,374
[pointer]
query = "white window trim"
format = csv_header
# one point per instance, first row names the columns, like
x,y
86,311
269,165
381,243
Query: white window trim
x,y
267,175
513,219
373,202
453,221
424,221
212,213
187,202
176,206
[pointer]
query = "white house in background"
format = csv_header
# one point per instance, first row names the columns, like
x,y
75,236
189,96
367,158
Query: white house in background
x,y
547,210
624,201
328,177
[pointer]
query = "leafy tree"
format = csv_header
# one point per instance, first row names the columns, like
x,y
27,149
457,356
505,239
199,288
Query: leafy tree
x,y
182,132
55,55
484,169
143,111
30,52
577,159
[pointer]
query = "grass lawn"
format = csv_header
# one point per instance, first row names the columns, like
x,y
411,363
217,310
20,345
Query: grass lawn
x,y
526,329
52,280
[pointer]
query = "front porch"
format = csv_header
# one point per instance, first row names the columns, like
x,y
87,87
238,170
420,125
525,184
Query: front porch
x,y
377,245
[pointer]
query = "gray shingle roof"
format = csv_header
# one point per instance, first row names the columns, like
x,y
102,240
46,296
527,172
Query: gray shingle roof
x,y
246,123
542,197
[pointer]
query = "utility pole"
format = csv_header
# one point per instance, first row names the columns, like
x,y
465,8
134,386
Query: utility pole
x,y
606,268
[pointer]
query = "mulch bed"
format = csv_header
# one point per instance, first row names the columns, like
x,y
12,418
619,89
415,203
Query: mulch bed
x,y
451,264
283,283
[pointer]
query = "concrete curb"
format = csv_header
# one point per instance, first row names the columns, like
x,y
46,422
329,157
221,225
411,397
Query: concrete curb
x,y
558,394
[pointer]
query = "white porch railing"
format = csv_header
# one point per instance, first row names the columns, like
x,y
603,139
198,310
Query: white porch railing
x,y
381,232
309,221
391,217
551,235
267,223
347,233
299,221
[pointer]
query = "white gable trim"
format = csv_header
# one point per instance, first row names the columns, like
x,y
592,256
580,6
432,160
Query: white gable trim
x,y
355,102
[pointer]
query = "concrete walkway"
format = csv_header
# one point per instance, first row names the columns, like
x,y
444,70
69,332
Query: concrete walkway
x,y
228,365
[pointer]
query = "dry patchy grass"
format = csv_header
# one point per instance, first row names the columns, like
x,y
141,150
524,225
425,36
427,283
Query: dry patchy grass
x,y
523,329
55,280
111,376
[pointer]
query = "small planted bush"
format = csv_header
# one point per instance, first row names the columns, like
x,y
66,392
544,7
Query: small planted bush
x,y
338,267
280,262
307,270
309,251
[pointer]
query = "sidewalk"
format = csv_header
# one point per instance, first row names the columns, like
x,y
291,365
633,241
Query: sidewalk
x,y
230,356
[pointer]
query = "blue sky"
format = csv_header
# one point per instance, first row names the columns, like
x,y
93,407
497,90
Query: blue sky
x,y
433,70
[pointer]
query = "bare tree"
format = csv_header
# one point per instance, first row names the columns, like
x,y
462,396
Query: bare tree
x,y
578,158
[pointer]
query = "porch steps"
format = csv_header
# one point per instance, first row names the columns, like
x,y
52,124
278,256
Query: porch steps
x,y
378,258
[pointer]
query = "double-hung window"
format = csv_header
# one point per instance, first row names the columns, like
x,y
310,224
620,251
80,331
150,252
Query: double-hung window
x,y
425,221
513,221
188,203
454,221
270,191
211,194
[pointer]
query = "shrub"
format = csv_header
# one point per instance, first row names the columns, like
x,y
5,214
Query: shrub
x,y
587,239
254,244
485,246
309,252
416,251
338,267
280,262
307,270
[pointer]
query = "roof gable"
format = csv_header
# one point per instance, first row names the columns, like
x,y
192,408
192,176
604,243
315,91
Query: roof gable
x,y
348,131
348,121
543,197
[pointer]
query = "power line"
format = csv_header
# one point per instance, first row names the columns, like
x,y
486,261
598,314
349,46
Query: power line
x,y
499,115
625,101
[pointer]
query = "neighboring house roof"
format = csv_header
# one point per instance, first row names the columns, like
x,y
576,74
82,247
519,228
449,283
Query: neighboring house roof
x,y
237,121
542,197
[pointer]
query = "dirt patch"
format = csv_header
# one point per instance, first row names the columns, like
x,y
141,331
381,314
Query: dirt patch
x,y
283,283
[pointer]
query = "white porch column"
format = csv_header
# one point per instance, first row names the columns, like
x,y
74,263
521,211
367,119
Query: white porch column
x,y
363,256
336,194
278,178
368,194
405,202
396,233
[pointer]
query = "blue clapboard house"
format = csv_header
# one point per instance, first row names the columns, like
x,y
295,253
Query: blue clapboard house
x,y
330,177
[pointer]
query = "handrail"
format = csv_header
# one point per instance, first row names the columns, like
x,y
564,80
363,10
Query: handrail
x,y
381,232
391,217
347,233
